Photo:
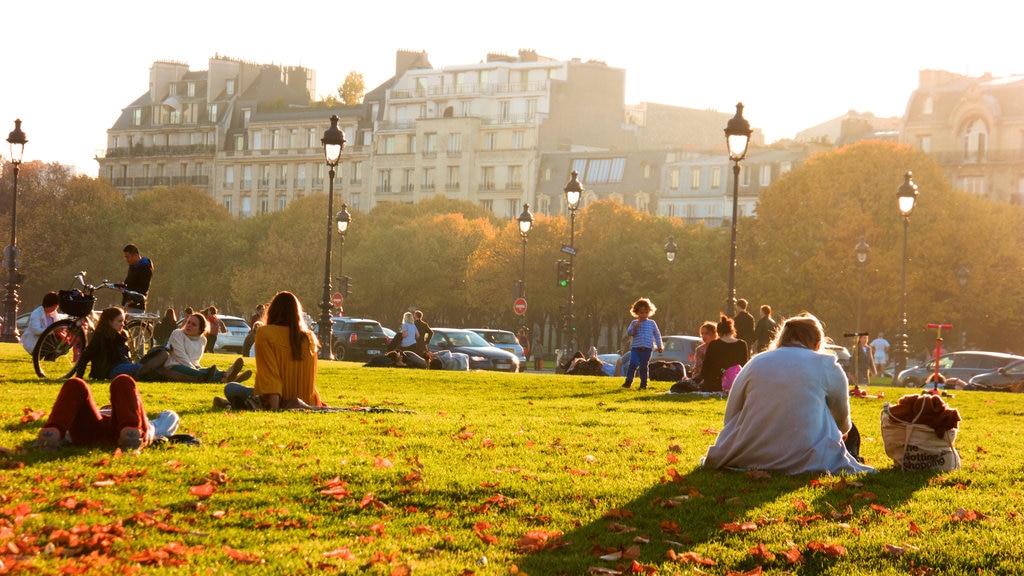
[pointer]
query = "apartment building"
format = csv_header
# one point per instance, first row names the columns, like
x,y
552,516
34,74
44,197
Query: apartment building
x,y
249,134
974,128
699,187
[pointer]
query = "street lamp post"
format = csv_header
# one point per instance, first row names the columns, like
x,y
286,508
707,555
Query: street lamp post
x,y
906,196
962,275
342,219
333,142
737,136
862,258
525,223
670,255
12,253
573,194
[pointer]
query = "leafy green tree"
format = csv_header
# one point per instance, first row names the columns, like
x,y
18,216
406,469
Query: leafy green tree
x,y
352,89
801,247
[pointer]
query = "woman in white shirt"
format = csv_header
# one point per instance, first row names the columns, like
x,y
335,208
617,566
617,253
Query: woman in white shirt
x,y
40,320
186,350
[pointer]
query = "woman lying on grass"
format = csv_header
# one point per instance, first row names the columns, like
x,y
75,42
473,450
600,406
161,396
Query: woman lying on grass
x,y
789,409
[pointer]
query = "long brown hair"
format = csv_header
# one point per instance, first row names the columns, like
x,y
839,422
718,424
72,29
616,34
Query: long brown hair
x,y
103,325
286,310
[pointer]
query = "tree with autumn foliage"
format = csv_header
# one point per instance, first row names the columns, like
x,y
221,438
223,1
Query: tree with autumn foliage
x,y
352,89
799,252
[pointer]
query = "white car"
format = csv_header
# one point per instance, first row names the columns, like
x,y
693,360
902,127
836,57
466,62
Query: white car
x,y
232,335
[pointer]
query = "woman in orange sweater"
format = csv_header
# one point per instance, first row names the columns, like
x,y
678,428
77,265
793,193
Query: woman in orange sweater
x,y
286,358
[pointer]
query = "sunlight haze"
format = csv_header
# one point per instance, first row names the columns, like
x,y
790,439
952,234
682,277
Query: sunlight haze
x,y
794,64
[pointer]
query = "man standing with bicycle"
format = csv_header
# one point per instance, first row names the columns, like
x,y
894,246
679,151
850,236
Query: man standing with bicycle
x,y
140,273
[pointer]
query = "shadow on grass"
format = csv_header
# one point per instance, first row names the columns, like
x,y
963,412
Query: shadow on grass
x,y
693,509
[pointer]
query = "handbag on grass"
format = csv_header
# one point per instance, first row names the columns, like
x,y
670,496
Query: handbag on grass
x,y
916,446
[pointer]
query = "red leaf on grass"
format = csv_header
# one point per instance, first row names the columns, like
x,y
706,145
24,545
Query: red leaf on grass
x,y
761,551
689,558
963,515
737,527
618,513
881,509
203,490
753,572
242,557
793,556
536,540
30,415
833,550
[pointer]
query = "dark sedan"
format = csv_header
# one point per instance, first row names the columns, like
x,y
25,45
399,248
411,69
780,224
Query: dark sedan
x,y
482,355
1009,378
357,338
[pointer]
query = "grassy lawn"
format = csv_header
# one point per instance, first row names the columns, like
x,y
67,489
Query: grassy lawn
x,y
481,473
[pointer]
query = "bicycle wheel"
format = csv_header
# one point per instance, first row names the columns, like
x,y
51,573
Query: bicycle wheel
x,y
58,349
140,333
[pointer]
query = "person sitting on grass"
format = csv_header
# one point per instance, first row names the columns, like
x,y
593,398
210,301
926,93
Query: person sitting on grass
x,y
76,417
286,359
107,351
186,351
40,319
789,410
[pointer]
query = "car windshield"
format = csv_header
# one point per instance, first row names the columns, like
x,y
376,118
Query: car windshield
x,y
364,327
234,323
465,338
502,337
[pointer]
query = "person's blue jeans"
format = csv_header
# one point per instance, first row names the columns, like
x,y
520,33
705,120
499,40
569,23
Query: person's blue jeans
x,y
124,368
638,359
237,394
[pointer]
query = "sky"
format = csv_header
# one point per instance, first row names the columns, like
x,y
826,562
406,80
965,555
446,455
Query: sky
x,y
72,66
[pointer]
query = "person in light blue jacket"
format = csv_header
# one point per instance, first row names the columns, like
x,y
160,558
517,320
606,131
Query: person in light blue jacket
x,y
789,410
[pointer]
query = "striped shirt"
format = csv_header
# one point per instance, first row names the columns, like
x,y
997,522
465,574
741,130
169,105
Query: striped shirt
x,y
647,336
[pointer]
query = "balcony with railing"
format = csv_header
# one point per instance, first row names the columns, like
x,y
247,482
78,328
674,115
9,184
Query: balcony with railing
x,y
469,89
152,181
140,151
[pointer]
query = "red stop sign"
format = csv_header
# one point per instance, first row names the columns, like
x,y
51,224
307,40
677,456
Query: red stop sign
x,y
519,306
337,299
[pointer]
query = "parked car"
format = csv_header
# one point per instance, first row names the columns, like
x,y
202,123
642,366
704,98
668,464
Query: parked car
x,y
962,365
357,338
677,348
231,340
232,337
482,354
505,340
1009,378
842,355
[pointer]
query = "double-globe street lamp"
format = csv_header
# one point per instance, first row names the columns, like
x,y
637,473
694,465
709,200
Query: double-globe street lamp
x,y
861,249
737,136
906,196
12,254
573,193
962,275
525,223
342,219
670,255
333,142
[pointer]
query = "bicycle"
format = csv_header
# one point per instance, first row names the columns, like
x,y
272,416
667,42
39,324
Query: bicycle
x,y
60,345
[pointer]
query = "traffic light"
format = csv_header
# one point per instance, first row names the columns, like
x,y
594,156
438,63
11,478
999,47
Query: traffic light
x,y
344,287
564,273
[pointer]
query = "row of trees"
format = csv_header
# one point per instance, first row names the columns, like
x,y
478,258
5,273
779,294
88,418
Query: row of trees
x,y
459,263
